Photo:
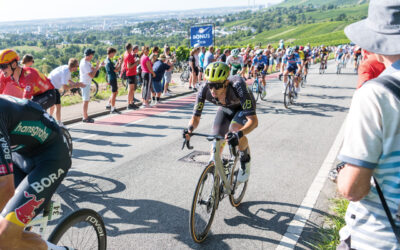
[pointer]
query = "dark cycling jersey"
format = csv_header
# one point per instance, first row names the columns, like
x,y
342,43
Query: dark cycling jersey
x,y
33,149
237,97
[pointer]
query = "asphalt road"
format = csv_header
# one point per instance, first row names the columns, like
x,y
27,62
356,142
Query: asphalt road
x,y
129,168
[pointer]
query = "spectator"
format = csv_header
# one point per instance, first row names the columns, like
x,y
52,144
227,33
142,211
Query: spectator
x,y
60,77
209,56
371,139
369,68
201,62
111,70
86,74
225,55
155,51
130,64
147,73
28,60
168,74
159,68
272,57
194,70
217,55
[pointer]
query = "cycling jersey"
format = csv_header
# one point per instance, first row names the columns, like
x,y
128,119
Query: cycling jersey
x,y
339,54
239,103
292,60
237,97
301,54
10,87
260,62
236,64
32,149
33,82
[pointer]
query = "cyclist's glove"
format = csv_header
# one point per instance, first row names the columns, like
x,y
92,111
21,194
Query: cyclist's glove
x,y
263,72
233,138
185,132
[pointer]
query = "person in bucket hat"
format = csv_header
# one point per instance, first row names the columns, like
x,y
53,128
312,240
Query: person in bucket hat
x,y
371,143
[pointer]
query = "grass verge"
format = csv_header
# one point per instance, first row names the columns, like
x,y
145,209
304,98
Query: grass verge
x,y
329,236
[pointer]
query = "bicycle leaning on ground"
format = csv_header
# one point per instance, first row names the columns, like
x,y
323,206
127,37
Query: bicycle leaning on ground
x,y
218,180
83,229
257,88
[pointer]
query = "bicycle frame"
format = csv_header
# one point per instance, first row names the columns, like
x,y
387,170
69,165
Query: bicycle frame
x,y
50,212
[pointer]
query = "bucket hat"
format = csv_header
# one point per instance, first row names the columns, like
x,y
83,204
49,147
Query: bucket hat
x,y
380,31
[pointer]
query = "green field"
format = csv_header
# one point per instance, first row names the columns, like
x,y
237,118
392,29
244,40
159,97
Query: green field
x,y
28,48
289,3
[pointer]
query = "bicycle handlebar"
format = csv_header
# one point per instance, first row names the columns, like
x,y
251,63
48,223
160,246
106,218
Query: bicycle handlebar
x,y
210,138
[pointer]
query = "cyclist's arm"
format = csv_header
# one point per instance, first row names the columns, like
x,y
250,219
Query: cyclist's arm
x,y
6,189
251,124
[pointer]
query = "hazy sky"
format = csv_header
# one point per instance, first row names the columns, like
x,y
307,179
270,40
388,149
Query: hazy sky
x,y
12,10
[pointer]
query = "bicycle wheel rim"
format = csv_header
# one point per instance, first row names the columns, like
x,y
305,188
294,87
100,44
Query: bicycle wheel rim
x,y
199,226
67,140
261,90
94,88
239,188
66,233
254,88
286,96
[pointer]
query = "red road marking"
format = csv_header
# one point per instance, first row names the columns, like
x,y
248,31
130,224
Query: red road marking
x,y
135,115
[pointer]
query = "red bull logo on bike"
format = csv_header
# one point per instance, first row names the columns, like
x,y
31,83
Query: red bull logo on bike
x,y
26,212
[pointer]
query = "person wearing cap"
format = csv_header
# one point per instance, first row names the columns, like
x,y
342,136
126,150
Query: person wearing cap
x,y
159,68
86,74
371,142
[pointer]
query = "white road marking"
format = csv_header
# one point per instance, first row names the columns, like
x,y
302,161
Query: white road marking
x,y
293,233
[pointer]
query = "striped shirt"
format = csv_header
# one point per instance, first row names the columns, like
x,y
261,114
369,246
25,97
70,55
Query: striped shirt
x,y
372,140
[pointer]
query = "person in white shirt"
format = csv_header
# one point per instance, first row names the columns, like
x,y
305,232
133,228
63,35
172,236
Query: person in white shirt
x,y
87,73
60,77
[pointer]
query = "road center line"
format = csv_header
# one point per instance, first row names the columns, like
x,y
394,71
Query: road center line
x,y
295,228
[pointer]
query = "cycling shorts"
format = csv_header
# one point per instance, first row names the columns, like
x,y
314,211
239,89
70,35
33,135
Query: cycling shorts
x,y
37,178
225,117
292,68
132,79
58,97
46,99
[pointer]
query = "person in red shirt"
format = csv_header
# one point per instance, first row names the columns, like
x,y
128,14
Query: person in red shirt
x,y
130,65
369,68
35,85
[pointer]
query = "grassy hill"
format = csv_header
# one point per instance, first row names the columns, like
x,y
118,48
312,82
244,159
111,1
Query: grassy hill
x,y
318,3
298,25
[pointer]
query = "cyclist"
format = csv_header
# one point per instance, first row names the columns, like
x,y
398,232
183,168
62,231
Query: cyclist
x,y
235,62
260,64
34,158
324,53
356,55
236,116
339,55
307,60
35,85
292,62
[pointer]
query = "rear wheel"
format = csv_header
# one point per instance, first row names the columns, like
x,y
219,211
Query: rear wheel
x,y
204,205
83,229
261,91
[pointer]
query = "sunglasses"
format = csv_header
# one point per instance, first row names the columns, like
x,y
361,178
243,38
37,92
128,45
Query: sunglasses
x,y
216,86
4,66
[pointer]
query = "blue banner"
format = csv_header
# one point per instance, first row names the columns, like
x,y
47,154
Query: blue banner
x,y
201,35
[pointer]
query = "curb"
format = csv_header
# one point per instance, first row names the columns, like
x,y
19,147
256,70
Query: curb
x,y
107,112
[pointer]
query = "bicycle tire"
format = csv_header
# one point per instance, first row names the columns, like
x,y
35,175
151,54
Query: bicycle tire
x,y
87,216
94,88
211,204
235,202
254,89
262,97
303,81
286,95
67,139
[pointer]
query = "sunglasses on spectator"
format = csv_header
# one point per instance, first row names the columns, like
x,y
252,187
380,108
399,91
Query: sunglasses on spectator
x,y
216,86
4,66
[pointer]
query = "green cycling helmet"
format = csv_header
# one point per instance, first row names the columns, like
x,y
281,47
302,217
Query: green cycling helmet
x,y
217,72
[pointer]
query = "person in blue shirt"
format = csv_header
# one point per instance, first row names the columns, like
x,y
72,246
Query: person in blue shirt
x,y
292,62
260,64
159,69
201,62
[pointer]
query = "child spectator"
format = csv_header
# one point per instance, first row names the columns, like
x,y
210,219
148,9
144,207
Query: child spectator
x,y
111,70
28,60
159,68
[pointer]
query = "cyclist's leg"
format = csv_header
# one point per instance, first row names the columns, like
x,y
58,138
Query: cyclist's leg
x,y
222,121
238,121
48,170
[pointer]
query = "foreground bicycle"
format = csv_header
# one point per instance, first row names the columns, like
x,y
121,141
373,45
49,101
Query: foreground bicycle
x,y
289,95
257,88
83,229
217,181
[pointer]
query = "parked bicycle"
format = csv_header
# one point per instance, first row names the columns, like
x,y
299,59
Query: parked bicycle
x,y
218,180
257,88
94,89
185,75
83,229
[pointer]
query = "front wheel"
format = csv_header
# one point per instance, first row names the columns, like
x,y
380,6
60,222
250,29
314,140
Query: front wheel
x,y
255,89
239,189
204,205
288,95
263,95
83,229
